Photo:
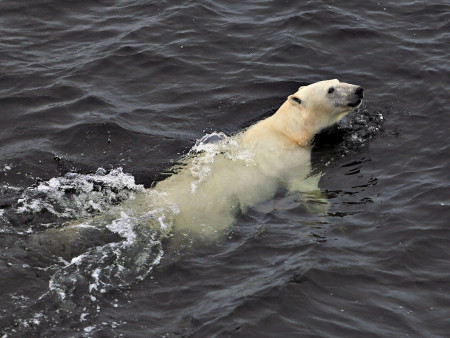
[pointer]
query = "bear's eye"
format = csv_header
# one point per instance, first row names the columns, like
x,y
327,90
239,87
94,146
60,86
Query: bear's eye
x,y
331,90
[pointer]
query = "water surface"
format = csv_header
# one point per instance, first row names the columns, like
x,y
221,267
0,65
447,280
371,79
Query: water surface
x,y
130,87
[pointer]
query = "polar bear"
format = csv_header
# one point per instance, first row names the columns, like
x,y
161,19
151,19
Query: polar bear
x,y
249,168
209,189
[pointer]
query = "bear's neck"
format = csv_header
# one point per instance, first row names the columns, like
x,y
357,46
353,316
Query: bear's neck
x,y
294,124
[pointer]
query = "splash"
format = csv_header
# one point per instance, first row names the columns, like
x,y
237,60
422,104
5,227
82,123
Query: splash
x,y
120,263
110,266
77,195
349,136
106,203
205,151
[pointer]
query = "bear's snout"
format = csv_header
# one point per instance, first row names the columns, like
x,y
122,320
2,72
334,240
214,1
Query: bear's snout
x,y
356,97
360,92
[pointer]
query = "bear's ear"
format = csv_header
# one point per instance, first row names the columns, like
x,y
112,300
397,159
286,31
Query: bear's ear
x,y
294,99
301,87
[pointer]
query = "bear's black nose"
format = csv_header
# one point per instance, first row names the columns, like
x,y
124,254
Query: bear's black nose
x,y
359,91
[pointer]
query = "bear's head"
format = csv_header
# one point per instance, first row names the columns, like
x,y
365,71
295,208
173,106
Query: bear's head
x,y
327,101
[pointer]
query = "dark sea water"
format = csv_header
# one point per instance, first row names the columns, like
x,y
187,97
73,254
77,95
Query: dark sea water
x,y
99,98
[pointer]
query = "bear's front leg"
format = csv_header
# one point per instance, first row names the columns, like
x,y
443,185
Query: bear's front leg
x,y
310,194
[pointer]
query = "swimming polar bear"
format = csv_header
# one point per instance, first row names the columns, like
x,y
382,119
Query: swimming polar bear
x,y
212,187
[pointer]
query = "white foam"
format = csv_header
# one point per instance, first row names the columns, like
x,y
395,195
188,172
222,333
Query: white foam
x,y
77,260
77,195
89,329
6,167
124,228
95,276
